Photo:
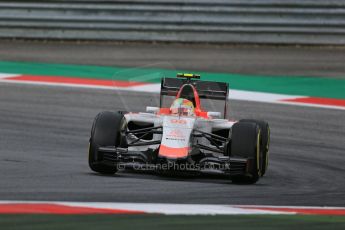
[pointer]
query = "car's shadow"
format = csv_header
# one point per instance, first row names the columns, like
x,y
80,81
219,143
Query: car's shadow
x,y
176,176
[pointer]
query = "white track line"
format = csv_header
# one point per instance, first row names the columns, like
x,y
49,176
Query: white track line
x,y
156,208
7,75
182,209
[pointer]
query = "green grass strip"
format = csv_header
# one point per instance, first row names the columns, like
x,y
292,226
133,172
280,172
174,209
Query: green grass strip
x,y
149,222
304,86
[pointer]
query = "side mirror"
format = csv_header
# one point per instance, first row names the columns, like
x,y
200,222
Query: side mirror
x,y
150,109
214,114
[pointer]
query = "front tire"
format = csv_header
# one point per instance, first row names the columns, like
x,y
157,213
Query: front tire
x,y
265,142
105,132
245,143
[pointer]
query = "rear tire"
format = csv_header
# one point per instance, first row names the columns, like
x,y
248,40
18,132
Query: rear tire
x,y
265,142
105,132
245,143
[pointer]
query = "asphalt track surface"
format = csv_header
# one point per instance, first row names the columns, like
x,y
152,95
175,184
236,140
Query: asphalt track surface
x,y
44,133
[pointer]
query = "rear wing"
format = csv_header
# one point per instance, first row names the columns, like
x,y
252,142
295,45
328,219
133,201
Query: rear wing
x,y
206,89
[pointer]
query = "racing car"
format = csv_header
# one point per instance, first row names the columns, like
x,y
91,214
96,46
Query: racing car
x,y
182,136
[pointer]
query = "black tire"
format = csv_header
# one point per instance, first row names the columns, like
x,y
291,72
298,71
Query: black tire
x,y
245,143
105,132
265,142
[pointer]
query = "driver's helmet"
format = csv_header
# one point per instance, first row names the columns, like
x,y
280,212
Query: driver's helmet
x,y
182,106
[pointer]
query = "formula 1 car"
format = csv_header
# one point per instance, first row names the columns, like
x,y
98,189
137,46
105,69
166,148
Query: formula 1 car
x,y
182,137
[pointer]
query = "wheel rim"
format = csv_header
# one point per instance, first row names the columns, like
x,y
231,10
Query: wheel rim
x,y
258,153
267,147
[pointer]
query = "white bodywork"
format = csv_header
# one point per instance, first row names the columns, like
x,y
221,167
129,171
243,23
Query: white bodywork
x,y
177,131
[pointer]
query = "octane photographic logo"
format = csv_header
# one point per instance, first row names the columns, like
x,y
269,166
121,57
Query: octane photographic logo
x,y
173,166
